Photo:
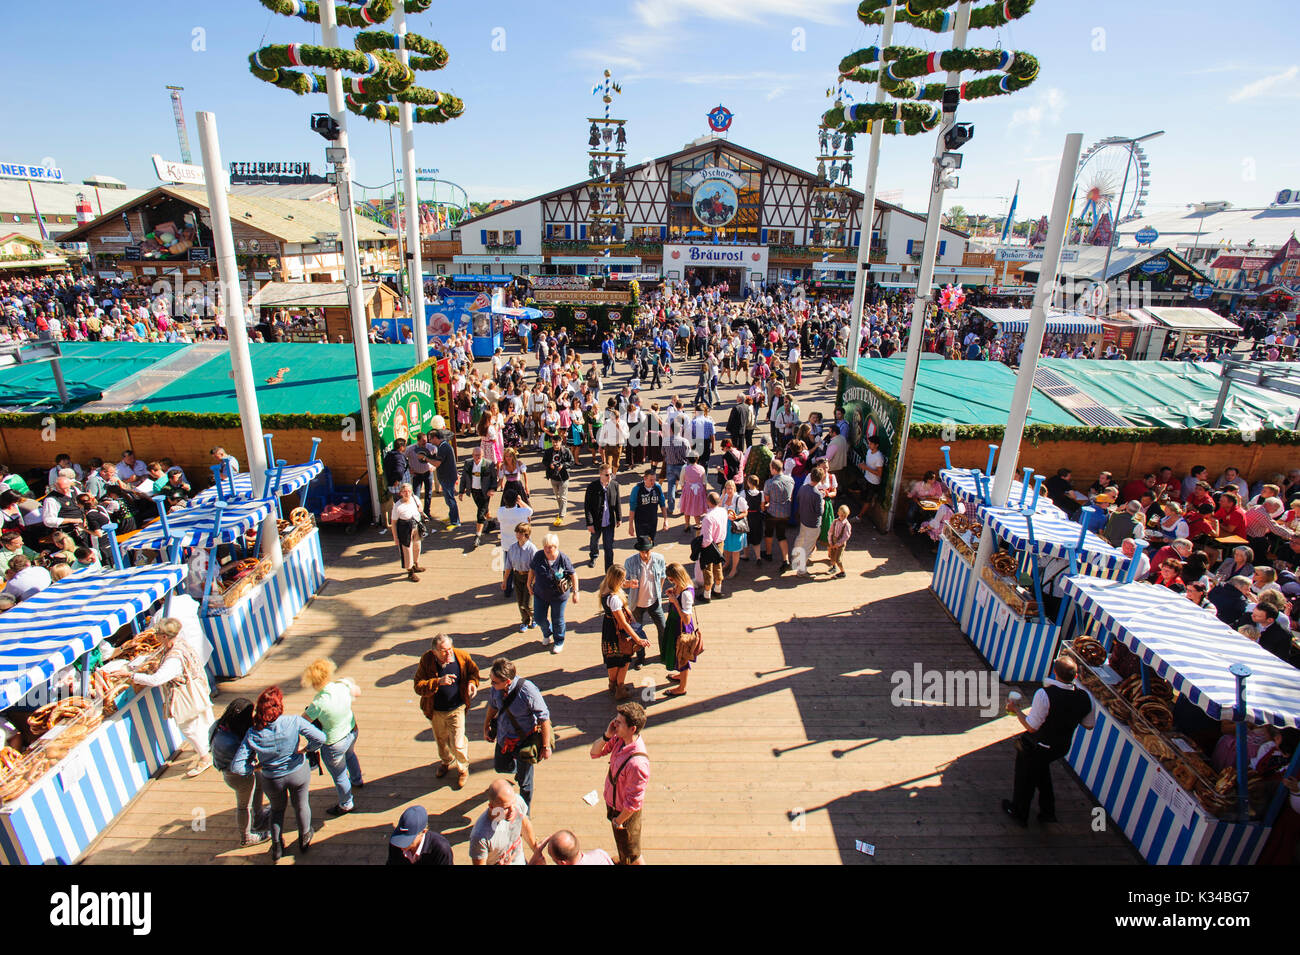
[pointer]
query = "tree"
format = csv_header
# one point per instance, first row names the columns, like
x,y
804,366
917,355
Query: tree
x,y
957,217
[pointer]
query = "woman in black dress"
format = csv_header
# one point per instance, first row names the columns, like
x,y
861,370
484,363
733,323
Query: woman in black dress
x,y
616,633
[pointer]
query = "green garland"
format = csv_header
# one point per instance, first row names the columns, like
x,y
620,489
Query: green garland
x,y
383,81
895,67
1036,434
169,419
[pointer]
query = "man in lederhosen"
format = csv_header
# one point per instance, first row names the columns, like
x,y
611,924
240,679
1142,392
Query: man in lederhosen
x,y
1058,709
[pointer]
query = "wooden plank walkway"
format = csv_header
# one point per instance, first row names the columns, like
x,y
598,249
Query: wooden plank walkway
x,y
786,750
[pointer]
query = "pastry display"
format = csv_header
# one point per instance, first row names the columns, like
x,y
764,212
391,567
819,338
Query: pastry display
x,y
1090,651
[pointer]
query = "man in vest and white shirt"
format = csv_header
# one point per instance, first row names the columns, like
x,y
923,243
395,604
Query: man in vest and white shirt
x,y
1058,709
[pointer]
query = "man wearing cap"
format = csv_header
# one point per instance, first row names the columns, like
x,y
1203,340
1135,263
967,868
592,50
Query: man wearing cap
x,y
500,832
413,843
1125,524
645,578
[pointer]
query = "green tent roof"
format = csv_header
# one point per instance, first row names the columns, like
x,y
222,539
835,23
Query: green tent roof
x,y
967,392
317,379
1175,394
89,369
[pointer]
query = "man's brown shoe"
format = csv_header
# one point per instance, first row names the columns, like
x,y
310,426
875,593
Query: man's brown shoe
x,y
442,770
462,779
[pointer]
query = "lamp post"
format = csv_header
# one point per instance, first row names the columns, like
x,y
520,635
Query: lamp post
x,y
1119,206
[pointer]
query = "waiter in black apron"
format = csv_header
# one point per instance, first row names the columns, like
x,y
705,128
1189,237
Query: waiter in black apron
x,y
1058,709
647,504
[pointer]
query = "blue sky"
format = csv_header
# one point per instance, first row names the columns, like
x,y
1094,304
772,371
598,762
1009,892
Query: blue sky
x,y
1225,88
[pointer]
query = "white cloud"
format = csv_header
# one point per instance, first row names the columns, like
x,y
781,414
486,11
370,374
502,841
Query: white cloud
x,y
1047,109
1269,84
773,94
660,13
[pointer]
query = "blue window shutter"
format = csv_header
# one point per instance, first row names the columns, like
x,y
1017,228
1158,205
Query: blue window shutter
x,y
582,231
663,232
943,244
482,236
568,231
762,237
857,238
909,246
519,237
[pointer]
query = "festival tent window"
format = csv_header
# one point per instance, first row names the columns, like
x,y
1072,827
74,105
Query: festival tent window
x,y
51,629
1011,320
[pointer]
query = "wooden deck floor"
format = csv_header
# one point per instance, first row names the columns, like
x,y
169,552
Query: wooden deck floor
x,y
786,750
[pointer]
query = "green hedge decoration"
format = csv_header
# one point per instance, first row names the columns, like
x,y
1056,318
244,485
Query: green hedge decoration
x,y
1037,434
169,419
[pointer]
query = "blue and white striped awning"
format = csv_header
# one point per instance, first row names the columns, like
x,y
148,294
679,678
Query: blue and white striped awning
x,y
1010,320
292,479
1053,537
51,629
960,483
1191,649
194,525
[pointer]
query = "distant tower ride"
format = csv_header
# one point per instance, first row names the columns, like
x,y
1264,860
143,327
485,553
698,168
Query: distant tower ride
x,y
182,134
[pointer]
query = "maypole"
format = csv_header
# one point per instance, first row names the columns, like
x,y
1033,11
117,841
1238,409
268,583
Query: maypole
x,y
918,108
606,142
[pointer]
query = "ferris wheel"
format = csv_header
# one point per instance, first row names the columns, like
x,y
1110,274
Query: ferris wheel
x,y
1101,178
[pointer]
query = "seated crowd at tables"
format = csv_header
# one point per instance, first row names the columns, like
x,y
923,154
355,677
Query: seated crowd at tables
x,y
1229,546
55,524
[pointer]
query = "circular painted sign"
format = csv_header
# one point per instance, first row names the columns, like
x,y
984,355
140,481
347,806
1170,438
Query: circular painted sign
x,y
715,202
1155,266
1146,236
1202,292
720,118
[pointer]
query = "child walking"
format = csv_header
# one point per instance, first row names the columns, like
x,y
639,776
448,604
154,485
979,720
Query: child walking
x,y
840,532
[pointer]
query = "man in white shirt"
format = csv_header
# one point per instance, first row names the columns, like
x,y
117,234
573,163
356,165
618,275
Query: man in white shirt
x,y
873,469
1058,709
131,469
25,578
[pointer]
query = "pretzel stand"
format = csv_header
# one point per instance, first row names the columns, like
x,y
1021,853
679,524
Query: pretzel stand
x,y
245,603
90,741
1145,653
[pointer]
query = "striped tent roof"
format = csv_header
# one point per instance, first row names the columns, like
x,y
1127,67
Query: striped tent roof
x,y
193,525
293,478
1053,537
1058,323
1192,649
960,483
53,628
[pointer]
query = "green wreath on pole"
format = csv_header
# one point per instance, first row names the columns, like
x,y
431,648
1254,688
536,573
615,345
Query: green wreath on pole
x,y
381,84
896,67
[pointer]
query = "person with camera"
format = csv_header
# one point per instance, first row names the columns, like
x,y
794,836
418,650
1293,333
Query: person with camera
x,y
447,683
552,582
556,461
519,723
407,530
627,778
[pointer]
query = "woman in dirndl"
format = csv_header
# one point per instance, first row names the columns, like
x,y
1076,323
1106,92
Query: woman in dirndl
x,y
681,642
829,488
694,490
616,630
405,520
737,539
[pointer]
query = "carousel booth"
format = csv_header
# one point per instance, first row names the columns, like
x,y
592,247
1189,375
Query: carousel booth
x,y
959,540
245,604
88,739
1159,669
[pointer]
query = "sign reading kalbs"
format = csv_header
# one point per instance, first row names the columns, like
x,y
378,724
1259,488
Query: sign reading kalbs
x,y
714,199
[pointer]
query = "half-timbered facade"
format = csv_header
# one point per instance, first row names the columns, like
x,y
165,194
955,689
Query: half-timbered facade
x,y
714,210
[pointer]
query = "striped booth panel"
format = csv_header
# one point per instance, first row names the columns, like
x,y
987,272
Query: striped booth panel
x,y
1121,775
951,576
58,818
241,634
1020,649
